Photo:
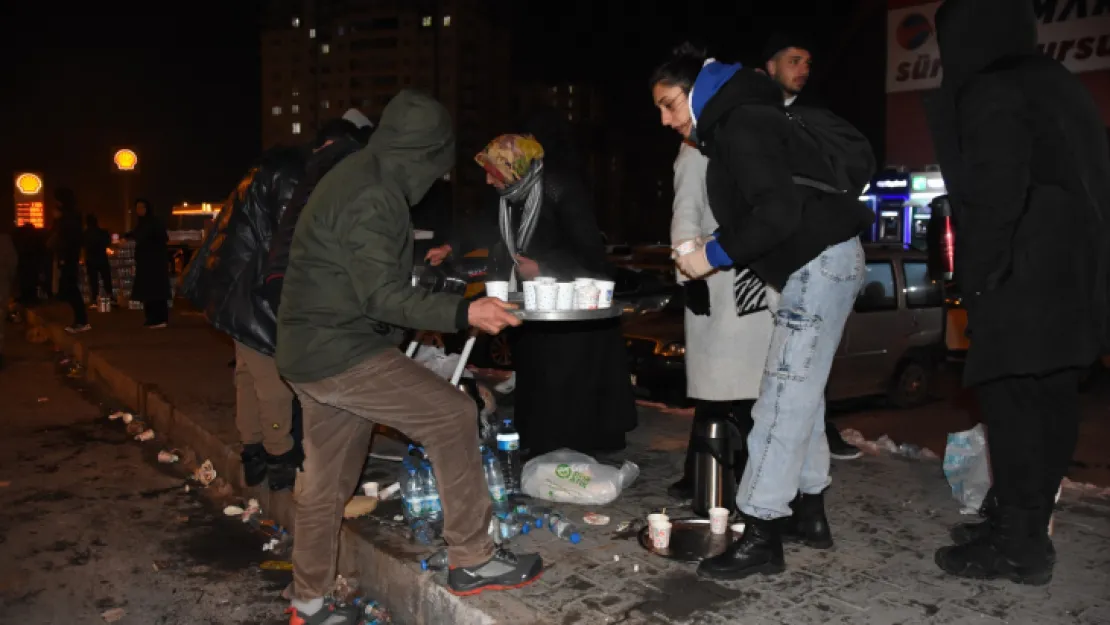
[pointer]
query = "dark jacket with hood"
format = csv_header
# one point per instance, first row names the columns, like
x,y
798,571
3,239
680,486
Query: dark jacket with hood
x,y
348,290
1024,157
346,139
96,241
152,268
225,275
65,232
767,221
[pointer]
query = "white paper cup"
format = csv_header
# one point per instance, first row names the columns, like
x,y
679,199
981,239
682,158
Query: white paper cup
x,y
605,292
737,528
529,296
370,489
546,281
578,281
718,520
565,297
661,535
498,289
586,296
547,296
657,518
686,247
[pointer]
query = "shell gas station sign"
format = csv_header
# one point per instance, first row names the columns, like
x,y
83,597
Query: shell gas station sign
x,y
29,199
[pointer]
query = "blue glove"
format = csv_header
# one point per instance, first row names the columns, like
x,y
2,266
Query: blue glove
x,y
716,254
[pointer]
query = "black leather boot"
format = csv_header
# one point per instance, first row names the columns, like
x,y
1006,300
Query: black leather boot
x,y
965,533
759,551
254,464
808,524
282,470
1013,549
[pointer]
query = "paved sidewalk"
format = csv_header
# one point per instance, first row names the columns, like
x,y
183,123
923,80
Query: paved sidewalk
x,y
888,516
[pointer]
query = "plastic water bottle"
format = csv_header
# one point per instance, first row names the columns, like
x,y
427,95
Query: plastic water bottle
x,y
433,509
413,497
564,529
435,562
496,484
508,453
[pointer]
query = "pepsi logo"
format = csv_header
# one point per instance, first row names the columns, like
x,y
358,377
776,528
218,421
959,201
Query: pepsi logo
x,y
914,31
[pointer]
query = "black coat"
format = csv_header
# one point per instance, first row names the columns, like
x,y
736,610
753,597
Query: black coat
x,y
319,163
767,222
225,276
567,242
66,238
96,242
152,269
1025,159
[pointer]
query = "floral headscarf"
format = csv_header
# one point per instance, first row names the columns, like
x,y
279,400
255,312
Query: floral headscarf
x,y
509,158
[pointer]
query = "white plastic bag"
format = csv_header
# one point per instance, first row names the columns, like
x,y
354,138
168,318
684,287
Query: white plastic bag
x,y
967,468
566,476
438,361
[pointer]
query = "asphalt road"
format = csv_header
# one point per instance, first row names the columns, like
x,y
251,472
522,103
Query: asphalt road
x,y
90,522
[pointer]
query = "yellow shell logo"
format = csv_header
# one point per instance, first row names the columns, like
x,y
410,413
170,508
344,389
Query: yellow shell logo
x,y
28,184
125,160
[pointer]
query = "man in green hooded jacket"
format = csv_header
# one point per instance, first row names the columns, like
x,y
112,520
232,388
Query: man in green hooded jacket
x,y
347,295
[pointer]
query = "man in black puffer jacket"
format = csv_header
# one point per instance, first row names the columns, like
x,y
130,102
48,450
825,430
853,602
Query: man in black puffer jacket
x,y
226,279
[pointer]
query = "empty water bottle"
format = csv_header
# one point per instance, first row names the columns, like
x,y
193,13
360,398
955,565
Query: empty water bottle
x,y
564,529
435,562
508,453
496,484
412,496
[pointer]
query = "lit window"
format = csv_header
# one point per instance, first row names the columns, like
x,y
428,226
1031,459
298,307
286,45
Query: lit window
x,y
555,89
570,117
570,89
296,128
446,20
296,22
311,33
296,108
325,48
426,21
296,92
325,104
276,110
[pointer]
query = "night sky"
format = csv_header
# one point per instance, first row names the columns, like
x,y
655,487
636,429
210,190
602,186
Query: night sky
x,y
180,85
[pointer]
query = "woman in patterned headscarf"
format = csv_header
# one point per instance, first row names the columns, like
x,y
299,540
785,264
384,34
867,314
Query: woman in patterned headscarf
x,y
572,383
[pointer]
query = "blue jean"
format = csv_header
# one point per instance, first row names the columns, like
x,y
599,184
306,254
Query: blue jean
x,y
788,451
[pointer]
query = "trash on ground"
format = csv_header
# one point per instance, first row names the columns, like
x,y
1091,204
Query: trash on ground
x,y
113,615
593,518
567,476
967,468
119,414
145,435
233,511
370,489
359,505
43,400
372,613
628,529
276,565
885,444
389,491
1087,489
167,457
205,473
270,545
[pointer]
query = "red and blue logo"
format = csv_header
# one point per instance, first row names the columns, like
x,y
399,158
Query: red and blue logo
x,y
914,31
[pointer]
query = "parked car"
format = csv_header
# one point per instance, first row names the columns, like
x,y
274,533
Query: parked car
x,y
891,346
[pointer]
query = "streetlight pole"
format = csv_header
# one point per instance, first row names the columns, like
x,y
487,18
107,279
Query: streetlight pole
x,y
126,162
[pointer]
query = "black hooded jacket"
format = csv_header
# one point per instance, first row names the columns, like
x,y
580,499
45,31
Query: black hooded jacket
x,y
225,275
1025,160
767,221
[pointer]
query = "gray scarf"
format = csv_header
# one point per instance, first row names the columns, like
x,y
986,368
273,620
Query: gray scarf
x,y
530,190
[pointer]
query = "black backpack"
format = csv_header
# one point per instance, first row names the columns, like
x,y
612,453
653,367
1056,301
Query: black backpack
x,y
845,150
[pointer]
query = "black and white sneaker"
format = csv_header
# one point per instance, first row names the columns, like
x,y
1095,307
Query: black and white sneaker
x,y
77,329
838,447
504,571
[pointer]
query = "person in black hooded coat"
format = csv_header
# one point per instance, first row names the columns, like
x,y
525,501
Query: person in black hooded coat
x,y
65,242
152,270
1025,160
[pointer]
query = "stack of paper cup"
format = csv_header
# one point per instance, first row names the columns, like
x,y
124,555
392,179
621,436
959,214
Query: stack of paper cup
x,y
718,520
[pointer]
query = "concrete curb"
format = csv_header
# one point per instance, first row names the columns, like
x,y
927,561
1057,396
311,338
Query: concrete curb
x,y
411,595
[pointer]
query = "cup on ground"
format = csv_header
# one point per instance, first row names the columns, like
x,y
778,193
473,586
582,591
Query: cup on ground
x,y
718,520
661,535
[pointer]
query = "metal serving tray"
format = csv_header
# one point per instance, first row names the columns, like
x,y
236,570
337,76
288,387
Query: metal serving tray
x,y
691,541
